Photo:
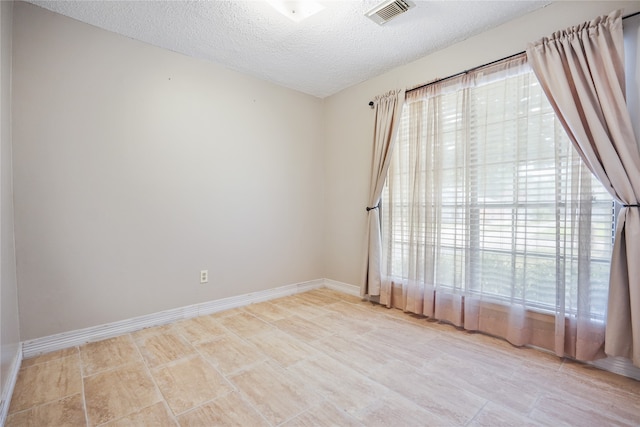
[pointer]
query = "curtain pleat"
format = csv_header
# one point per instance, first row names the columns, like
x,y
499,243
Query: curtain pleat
x,y
581,71
387,113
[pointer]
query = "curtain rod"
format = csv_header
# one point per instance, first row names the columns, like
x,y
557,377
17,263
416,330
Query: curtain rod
x,y
478,67
465,71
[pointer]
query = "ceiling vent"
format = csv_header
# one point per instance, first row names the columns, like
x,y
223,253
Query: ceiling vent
x,y
388,10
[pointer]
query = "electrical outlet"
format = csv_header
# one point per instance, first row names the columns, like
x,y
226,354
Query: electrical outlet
x,y
204,276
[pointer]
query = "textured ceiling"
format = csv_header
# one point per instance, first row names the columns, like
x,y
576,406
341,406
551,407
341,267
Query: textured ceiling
x,y
321,55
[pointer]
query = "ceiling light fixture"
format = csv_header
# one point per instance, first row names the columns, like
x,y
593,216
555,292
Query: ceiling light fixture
x,y
296,10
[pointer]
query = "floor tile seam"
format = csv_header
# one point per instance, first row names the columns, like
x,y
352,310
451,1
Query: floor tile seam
x,y
309,408
243,396
114,368
343,365
195,408
296,382
521,414
245,368
161,365
611,388
534,405
46,402
460,387
310,342
321,327
573,370
155,383
240,369
240,396
524,413
447,416
110,368
153,331
553,393
233,387
576,401
286,310
360,414
478,392
242,336
350,415
360,375
248,342
48,361
58,360
477,413
198,344
226,329
415,401
320,304
270,321
49,402
294,339
280,364
210,363
388,390
84,400
307,359
327,396
301,312
136,411
608,415
200,405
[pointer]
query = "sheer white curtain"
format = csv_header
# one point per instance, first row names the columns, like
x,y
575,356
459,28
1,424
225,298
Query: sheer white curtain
x,y
492,222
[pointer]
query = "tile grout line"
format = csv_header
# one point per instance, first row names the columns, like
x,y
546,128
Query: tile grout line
x,y
206,360
155,384
477,413
82,376
270,359
48,401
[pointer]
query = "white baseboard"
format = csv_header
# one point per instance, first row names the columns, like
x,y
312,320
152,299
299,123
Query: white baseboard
x,y
342,287
9,384
618,365
64,340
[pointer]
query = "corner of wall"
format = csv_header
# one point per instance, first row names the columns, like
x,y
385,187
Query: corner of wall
x,y
9,384
10,346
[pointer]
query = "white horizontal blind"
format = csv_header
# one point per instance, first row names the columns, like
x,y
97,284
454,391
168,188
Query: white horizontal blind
x,y
487,197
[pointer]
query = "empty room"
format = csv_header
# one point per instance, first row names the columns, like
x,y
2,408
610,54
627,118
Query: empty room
x,y
319,213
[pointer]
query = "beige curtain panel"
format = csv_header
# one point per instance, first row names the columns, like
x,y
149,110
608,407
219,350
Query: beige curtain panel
x,y
581,70
387,114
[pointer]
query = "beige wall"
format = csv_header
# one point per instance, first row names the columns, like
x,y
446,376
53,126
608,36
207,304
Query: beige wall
x,y
9,326
349,121
136,167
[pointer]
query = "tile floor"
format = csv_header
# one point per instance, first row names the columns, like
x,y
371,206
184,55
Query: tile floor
x,y
320,358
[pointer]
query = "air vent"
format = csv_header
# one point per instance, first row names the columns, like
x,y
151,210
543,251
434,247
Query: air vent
x,y
388,10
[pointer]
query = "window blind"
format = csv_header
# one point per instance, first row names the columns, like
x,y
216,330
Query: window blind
x,y
486,196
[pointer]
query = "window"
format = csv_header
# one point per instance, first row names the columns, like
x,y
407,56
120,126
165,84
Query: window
x,y
487,197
